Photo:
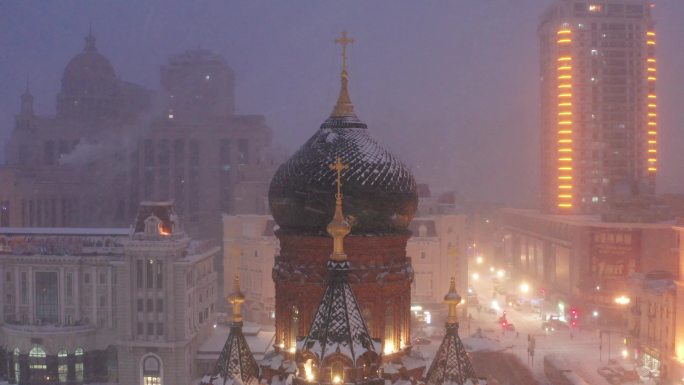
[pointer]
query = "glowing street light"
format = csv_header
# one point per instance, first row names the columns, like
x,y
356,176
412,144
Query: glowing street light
x,y
476,276
501,273
479,259
622,300
524,288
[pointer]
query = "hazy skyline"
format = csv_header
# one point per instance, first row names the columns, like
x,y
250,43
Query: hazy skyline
x,y
452,88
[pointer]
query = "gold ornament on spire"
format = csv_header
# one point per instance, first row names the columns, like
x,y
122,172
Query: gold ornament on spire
x,y
338,228
236,298
452,299
344,106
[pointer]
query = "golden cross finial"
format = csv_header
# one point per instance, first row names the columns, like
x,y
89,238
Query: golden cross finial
x,y
452,299
338,166
344,41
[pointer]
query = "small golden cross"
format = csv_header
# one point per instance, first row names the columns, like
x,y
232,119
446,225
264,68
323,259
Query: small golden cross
x,y
338,166
344,41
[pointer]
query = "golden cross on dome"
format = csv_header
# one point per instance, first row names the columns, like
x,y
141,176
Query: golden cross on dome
x,y
344,41
338,166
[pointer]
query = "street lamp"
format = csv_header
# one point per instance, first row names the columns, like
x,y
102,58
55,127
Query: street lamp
x,y
622,300
524,288
476,276
479,259
501,273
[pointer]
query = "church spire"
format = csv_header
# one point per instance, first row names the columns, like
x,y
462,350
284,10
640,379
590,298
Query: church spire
x,y
90,40
344,106
338,228
26,101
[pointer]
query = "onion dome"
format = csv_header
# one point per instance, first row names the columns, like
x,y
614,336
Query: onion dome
x,y
88,79
380,191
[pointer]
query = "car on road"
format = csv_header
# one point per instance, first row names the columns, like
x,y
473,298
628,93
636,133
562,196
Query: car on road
x,y
553,325
509,326
421,341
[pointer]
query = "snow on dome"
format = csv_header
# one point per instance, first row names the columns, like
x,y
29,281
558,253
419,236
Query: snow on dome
x,y
379,190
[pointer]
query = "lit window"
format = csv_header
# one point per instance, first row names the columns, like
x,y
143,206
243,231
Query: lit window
x,y
207,77
594,52
595,7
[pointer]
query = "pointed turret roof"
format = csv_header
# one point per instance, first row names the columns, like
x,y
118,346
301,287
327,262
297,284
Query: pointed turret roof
x,y
338,329
451,364
236,364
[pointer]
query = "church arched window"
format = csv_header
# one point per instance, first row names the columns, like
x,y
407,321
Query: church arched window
x,y
78,367
151,368
62,368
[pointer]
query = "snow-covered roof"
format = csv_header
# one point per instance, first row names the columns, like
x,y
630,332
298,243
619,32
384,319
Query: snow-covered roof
x,y
451,363
113,231
236,364
338,326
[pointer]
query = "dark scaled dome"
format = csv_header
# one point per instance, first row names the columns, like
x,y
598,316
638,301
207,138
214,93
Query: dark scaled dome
x,y
379,191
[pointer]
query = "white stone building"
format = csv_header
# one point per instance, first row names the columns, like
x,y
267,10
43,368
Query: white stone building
x,y
105,305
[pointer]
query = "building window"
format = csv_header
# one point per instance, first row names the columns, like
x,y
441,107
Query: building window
x,y
62,368
160,328
151,368
46,297
79,364
140,305
103,301
150,328
141,330
103,278
160,305
139,273
150,305
8,276
160,272
24,288
150,274
69,288
37,362
86,278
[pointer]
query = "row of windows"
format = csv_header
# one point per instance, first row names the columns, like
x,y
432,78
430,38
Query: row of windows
x,y
150,305
149,273
150,331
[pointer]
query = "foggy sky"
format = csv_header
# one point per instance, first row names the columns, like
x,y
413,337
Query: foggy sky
x,y
451,87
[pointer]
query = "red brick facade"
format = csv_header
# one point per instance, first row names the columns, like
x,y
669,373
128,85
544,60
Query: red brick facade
x,y
380,275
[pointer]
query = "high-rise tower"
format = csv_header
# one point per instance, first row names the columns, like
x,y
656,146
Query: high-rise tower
x,y
599,104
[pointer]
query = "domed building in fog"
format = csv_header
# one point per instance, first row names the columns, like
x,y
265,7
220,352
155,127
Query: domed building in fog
x,y
380,201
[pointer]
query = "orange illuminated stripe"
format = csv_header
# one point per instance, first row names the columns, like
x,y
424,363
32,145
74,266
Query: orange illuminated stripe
x,y
565,205
564,168
568,85
565,150
565,132
564,140
652,160
651,69
652,151
564,68
651,78
565,187
564,113
652,96
650,33
564,95
565,177
649,42
651,60
565,41
565,58
565,77
652,123
565,159
652,114
652,142
652,169
653,132
566,104
566,196
564,31
565,122
652,105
